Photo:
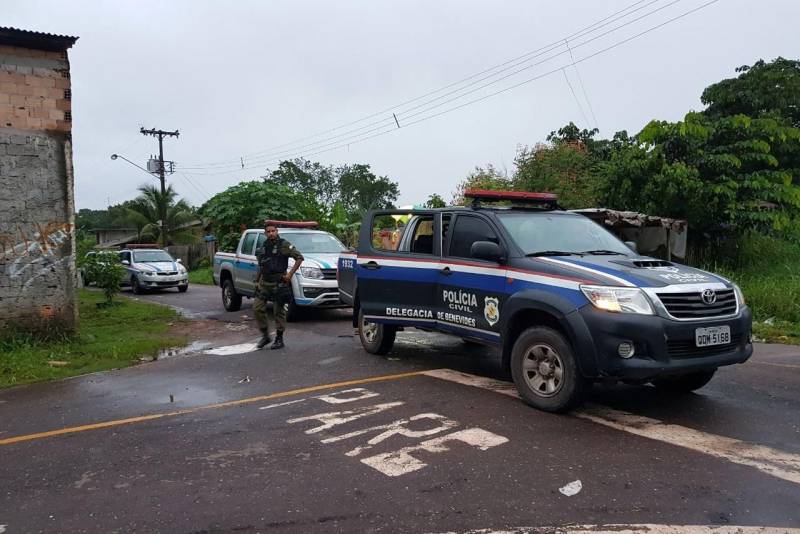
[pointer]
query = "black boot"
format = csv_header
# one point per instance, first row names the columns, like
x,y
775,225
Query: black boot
x,y
278,341
264,341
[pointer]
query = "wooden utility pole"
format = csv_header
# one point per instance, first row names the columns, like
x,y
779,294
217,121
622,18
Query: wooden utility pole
x,y
160,134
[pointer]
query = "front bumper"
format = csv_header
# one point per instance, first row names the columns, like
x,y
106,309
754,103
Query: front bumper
x,y
164,281
663,347
316,292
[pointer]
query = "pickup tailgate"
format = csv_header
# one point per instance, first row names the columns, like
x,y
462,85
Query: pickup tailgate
x,y
346,277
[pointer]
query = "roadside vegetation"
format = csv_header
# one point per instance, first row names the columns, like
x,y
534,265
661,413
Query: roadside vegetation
x,y
203,275
108,338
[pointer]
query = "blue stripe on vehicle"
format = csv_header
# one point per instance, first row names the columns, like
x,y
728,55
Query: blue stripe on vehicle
x,y
302,301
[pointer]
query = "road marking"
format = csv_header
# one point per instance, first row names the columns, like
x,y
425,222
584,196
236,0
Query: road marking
x,y
637,529
267,407
260,398
401,462
773,462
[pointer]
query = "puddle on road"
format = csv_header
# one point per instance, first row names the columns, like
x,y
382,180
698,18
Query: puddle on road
x,y
195,346
232,349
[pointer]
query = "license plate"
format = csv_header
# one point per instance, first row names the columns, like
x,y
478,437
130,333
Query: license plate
x,y
713,335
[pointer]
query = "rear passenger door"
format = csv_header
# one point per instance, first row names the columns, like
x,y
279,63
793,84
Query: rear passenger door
x,y
470,291
398,267
245,265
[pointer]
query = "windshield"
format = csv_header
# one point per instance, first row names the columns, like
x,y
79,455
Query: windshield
x,y
315,243
543,232
143,256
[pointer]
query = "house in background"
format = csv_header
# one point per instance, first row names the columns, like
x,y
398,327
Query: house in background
x,y
37,238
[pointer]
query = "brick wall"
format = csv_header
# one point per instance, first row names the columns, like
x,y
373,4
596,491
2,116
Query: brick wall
x,y
37,238
34,89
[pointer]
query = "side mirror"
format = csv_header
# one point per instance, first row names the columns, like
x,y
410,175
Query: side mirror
x,y
486,250
632,245
179,260
125,262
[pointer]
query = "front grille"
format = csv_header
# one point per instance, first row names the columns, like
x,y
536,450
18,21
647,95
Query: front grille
x,y
167,273
313,292
688,349
691,305
329,274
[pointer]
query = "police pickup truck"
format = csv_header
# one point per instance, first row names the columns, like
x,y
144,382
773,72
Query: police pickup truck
x,y
314,284
567,303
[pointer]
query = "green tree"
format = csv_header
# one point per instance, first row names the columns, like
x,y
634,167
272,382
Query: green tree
x,y
564,168
144,212
718,173
487,178
361,190
248,204
435,201
104,269
762,90
310,178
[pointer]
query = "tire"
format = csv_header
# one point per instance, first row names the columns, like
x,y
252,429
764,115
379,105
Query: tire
x,y
684,383
545,371
375,338
183,289
136,287
231,300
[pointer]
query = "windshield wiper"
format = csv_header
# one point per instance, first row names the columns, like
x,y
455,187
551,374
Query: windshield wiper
x,y
603,252
553,253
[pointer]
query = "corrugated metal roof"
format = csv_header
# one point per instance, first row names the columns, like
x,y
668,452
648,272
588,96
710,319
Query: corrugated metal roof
x,y
38,40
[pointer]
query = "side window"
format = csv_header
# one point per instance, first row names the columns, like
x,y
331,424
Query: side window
x,y
466,231
422,239
387,230
260,241
125,255
447,218
247,244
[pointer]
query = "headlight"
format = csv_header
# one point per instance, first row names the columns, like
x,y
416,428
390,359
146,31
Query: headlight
x,y
618,299
739,295
311,272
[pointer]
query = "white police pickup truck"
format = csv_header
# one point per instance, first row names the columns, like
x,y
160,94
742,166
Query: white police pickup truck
x,y
566,302
313,286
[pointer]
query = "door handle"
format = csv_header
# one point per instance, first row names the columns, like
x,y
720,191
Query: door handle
x,y
371,265
446,271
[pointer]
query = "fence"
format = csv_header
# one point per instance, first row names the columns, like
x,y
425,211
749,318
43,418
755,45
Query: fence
x,y
191,255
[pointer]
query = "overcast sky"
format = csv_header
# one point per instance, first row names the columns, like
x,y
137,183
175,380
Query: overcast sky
x,y
244,80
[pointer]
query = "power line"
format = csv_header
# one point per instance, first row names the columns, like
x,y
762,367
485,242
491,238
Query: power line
x,y
618,15
334,140
578,102
583,87
377,132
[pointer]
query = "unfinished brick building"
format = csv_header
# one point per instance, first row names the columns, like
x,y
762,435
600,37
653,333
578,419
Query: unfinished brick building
x,y
37,238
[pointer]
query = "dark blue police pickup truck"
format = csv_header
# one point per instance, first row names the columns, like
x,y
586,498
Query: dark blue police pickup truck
x,y
565,300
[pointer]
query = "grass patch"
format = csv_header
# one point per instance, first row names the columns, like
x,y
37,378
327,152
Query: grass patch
x,y
108,338
204,275
768,271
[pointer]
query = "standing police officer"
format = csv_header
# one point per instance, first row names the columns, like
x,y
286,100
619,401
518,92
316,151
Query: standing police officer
x,y
274,283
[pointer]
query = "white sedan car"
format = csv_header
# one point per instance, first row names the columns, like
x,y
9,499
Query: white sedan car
x,y
152,269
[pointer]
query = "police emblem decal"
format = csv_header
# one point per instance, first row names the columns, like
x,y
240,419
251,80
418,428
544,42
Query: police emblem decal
x,y
491,310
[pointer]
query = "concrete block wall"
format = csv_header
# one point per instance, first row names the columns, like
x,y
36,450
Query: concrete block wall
x,y
37,239
35,90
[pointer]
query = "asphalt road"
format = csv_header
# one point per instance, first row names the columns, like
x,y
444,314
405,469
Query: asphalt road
x,y
323,437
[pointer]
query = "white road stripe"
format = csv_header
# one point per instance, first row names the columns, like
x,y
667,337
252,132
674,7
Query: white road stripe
x,y
637,529
267,407
773,462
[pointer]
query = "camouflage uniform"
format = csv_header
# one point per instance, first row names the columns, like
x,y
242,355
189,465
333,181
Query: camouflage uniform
x,y
273,258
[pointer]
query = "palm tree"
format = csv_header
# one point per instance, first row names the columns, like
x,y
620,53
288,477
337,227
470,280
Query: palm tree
x,y
145,213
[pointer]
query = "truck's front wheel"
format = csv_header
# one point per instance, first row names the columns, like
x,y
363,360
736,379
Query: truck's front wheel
x,y
376,338
231,300
545,371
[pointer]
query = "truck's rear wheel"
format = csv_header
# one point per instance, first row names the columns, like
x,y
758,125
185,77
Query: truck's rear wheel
x,y
376,338
231,300
545,371
684,383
